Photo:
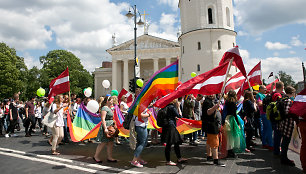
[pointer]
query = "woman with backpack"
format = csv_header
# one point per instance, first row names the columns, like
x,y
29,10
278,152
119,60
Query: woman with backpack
x,y
170,135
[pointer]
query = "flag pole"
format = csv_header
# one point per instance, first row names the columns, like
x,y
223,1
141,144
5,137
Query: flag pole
x,y
225,79
224,82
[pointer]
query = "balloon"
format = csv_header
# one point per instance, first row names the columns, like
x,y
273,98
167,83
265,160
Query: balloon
x,y
105,84
193,74
84,90
41,92
89,88
114,93
139,82
87,92
93,106
256,87
179,83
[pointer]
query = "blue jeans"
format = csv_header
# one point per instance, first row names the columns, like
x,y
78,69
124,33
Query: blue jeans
x,y
142,137
277,140
66,135
266,131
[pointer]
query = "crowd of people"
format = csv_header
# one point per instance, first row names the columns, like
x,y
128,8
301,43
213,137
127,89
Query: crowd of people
x,y
227,130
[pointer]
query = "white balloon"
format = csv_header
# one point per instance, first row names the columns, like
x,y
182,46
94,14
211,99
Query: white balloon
x,y
87,92
105,83
93,106
89,88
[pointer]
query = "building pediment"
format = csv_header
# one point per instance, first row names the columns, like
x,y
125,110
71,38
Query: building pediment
x,y
145,42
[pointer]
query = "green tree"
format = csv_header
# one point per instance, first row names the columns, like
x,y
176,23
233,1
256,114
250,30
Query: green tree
x,y
32,82
56,61
10,75
286,79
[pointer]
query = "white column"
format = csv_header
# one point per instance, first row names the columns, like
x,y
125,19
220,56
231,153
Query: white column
x,y
155,66
126,74
96,86
114,74
168,61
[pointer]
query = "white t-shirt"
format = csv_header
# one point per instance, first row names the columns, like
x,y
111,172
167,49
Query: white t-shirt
x,y
145,120
38,111
125,107
60,116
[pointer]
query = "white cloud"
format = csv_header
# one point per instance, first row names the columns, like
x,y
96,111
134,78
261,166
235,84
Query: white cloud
x,y
30,61
242,33
83,27
276,54
274,64
292,52
259,16
172,3
295,41
276,46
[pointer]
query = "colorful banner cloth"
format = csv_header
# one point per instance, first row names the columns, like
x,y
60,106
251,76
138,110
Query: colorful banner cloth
x,y
85,124
160,84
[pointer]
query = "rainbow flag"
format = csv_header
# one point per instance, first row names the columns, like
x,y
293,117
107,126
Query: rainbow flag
x,y
187,126
119,118
152,123
162,82
85,124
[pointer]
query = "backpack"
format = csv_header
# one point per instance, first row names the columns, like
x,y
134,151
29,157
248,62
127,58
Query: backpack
x,y
162,119
127,120
276,110
266,101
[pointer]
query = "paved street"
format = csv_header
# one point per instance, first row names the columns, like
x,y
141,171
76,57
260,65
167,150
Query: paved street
x,y
32,155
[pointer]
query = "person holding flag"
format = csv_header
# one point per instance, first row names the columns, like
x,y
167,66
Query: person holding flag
x,y
58,128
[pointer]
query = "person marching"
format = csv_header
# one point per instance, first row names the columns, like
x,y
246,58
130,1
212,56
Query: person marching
x,y
58,128
171,135
212,123
107,120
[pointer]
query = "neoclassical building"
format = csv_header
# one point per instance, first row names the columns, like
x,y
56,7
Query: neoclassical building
x,y
153,53
207,32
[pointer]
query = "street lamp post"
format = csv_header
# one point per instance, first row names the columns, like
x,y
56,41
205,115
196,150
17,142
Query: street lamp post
x,y
130,15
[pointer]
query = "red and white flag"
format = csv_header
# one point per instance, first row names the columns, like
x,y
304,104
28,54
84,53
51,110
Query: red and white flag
x,y
128,95
299,105
234,53
208,83
269,86
59,85
254,79
234,82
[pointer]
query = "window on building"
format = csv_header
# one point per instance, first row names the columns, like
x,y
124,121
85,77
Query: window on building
x,y
183,49
199,67
228,17
219,45
199,45
210,16
233,44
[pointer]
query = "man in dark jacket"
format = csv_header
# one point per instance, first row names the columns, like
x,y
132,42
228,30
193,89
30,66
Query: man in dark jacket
x,y
211,122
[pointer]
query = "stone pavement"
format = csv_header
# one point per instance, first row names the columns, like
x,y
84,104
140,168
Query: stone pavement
x,y
76,155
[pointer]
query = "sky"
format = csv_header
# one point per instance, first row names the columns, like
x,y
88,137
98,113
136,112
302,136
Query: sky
x,y
273,32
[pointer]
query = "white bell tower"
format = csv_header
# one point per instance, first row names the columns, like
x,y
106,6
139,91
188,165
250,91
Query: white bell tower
x,y
207,33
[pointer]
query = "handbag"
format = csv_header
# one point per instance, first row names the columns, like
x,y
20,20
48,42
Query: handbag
x,y
49,119
112,131
133,135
